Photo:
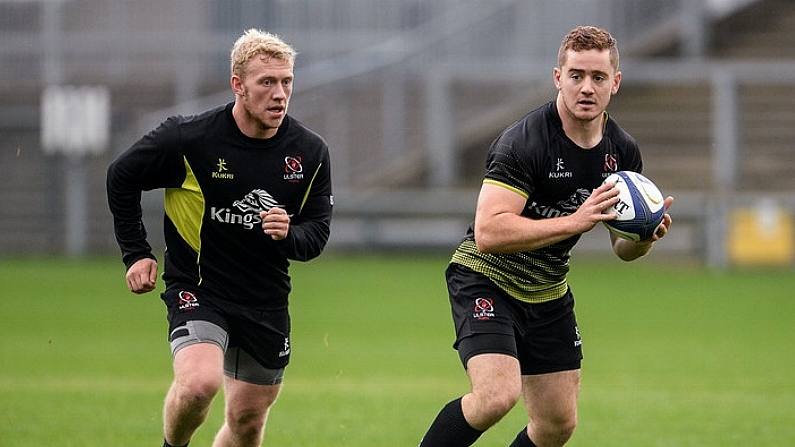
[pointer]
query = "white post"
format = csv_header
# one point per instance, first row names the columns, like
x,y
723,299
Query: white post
x,y
724,162
75,121
441,162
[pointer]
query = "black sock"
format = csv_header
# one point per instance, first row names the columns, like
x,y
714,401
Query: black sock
x,y
522,440
450,429
166,444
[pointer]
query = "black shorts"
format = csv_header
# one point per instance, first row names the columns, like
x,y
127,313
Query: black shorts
x,y
544,337
262,334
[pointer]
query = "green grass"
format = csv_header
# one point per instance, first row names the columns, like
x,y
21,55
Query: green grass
x,y
675,356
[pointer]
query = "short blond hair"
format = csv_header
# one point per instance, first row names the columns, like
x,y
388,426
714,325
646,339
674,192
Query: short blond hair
x,y
254,43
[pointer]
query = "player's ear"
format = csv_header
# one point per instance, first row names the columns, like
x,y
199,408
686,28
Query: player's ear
x,y
556,77
616,82
237,85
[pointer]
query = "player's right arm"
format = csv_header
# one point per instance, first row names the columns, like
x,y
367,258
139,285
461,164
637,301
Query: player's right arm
x,y
152,162
501,228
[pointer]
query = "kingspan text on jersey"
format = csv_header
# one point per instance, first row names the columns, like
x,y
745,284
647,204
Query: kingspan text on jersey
x,y
225,215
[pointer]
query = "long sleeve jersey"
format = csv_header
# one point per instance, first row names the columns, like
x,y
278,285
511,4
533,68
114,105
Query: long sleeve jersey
x,y
216,182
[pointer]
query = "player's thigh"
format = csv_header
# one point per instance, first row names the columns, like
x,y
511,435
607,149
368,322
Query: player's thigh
x,y
495,375
552,397
240,365
199,365
496,387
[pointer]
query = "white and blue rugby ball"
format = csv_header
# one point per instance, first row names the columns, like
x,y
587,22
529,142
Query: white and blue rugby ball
x,y
640,208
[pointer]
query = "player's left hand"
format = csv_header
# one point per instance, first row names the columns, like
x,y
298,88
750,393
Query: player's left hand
x,y
662,230
275,223
628,250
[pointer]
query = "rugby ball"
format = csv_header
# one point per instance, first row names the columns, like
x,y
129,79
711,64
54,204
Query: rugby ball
x,y
640,206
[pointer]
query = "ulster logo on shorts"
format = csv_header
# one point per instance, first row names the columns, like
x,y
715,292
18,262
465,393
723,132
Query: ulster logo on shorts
x,y
484,308
187,300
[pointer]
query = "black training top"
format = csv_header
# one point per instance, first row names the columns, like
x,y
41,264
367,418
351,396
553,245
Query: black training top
x,y
216,182
536,159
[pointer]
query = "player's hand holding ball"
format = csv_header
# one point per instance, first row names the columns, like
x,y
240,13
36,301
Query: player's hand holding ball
x,y
641,209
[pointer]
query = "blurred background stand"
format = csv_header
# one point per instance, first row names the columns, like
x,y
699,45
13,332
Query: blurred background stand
x,y
408,93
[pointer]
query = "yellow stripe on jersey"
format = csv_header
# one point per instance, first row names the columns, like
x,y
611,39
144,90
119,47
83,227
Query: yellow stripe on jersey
x,y
309,188
185,208
506,186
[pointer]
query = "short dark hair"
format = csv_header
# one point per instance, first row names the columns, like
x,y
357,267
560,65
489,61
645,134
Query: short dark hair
x,y
585,38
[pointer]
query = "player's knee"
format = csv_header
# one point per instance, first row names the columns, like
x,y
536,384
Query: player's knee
x,y
503,403
565,428
555,431
495,405
247,423
200,391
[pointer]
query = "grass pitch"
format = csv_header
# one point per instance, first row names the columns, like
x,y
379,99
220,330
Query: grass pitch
x,y
674,356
